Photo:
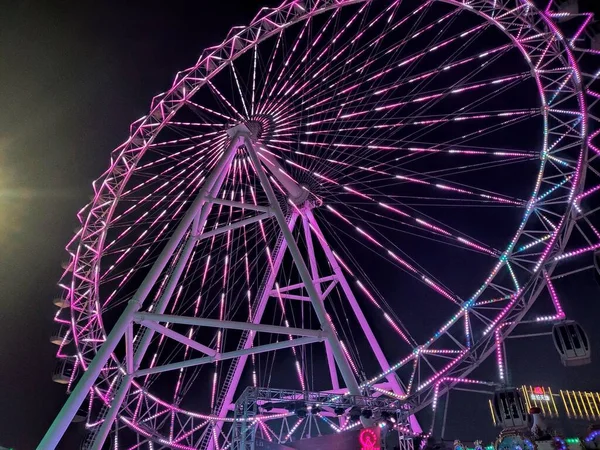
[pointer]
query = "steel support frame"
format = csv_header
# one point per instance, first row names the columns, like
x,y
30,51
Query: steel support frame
x,y
191,226
247,406
307,279
341,278
229,355
258,313
197,226
309,286
226,324
56,431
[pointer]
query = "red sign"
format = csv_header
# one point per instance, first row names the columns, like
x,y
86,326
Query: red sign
x,y
538,390
369,439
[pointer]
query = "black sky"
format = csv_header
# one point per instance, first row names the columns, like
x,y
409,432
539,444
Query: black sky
x,y
73,76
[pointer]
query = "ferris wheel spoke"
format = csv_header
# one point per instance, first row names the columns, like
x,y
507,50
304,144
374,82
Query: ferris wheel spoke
x,y
192,177
329,47
239,88
445,185
138,244
419,97
430,285
270,63
402,81
215,136
397,259
342,64
192,174
404,64
424,108
300,65
224,100
388,207
286,62
430,125
394,322
195,106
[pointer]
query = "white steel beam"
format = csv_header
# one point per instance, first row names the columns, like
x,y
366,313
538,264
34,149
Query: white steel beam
x,y
292,296
229,355
233,226
292,287
336,348
144,318
178,337
225,202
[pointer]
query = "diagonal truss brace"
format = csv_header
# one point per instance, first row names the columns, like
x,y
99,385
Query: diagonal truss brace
x,y
145,318
229,355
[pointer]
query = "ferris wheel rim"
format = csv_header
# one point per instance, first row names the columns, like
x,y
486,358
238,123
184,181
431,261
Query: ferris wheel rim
x,y
162,106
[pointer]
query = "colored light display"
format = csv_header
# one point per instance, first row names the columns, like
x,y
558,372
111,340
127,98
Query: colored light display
x,y
538,394
369,439
572,404
312,122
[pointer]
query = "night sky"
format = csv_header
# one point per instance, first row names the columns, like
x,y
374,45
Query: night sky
x,y
73,76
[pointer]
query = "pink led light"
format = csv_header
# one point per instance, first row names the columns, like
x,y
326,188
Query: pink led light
x,y
389,393
445,369
368,294
500,350
368,236
349,358
265,430
588,192
504,311
339,259
402,261
577,252
477,246
440,290
433,227
396,328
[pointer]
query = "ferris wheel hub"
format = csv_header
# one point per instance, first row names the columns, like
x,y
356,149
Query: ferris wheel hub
x,y
261,126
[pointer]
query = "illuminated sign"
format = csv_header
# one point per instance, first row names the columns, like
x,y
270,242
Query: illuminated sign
x,y
577,404
369,439
538,393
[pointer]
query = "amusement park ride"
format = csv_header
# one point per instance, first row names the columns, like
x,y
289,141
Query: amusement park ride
x,y
329,222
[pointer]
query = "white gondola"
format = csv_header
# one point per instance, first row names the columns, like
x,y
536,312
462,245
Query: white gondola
x,y
572,344
510,408
61,302
61,334
63,370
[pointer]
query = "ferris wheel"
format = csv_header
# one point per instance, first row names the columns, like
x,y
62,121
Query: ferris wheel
x,y
360,199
